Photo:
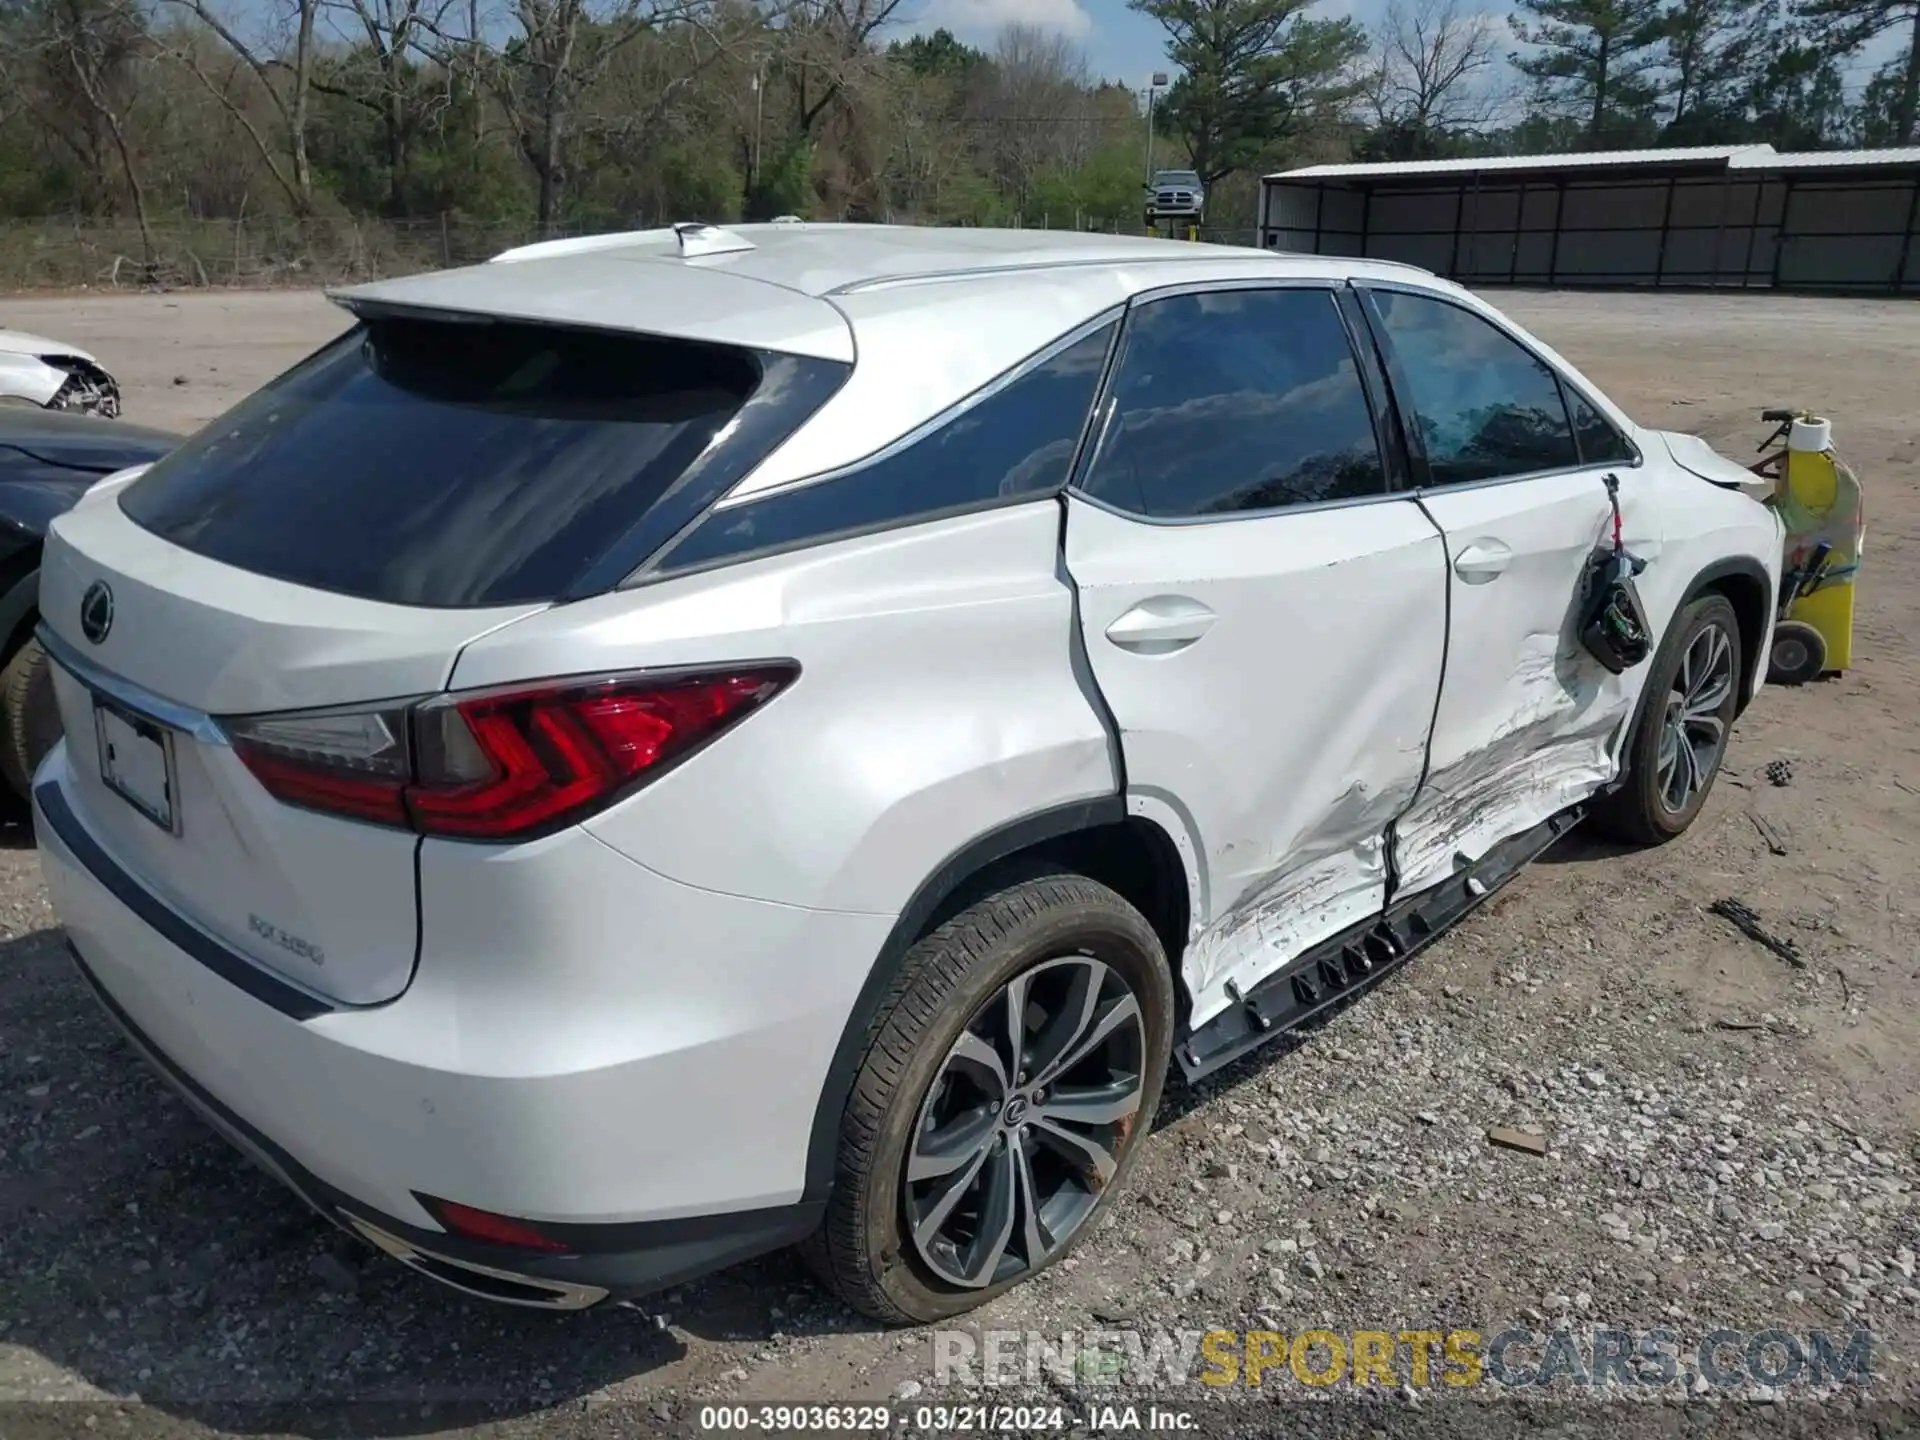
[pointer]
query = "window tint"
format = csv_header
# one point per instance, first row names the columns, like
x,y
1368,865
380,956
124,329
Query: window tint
x,y
1018,441
1237,400
1485,406
1599,442
428,462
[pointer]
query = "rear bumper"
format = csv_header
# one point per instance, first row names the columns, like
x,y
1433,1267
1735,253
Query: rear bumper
x,y
616,1100
631,1259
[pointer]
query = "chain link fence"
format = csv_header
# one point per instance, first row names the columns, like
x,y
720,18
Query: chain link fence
x,y
266,252
253,253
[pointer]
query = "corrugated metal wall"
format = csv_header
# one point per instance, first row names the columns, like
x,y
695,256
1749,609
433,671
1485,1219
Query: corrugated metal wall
x,y
1734,229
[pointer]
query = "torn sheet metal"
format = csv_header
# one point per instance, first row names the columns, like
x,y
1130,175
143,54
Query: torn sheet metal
x,y
1528,721
1557,748
1273,679
1293,912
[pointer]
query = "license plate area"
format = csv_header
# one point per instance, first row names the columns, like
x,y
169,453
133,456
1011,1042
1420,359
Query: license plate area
x,y
137,763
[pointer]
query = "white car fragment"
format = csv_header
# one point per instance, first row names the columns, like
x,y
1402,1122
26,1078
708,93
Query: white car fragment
x,y
37,371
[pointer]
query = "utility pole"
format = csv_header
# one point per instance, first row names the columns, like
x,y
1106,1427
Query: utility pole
x,y
1157,83
759,109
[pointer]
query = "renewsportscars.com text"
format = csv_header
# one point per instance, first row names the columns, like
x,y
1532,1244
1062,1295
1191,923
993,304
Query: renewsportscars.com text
x,y
1515,1358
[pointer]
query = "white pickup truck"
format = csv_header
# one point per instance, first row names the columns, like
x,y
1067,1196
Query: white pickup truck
x,y
1176,195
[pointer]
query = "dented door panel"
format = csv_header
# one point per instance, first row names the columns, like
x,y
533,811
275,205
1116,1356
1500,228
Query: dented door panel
x,y
1290,719
1528,723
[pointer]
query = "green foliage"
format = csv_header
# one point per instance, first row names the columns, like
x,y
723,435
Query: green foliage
x,y
1841,28
1102,194
1711,50
1879,121
1799,99
969,198
937,56
1252,71
785,184
1594,60
660,122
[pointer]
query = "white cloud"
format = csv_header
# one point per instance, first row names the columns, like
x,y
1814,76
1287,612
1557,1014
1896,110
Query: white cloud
x,y
985,18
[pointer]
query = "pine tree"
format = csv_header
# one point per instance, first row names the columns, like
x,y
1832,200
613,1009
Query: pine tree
x,y
1713,48
1253,73
1845,27
1594,59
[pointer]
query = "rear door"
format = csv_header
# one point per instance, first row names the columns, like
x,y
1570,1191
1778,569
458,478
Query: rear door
x,y
321,552
1264,617
1510,461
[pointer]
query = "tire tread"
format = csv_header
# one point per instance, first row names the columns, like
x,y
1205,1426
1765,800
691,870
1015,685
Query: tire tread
x,y
934,968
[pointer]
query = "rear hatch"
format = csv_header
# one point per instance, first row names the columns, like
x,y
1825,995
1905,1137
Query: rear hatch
x,y
330,545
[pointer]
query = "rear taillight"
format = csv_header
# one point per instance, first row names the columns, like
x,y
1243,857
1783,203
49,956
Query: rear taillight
x,y
505,764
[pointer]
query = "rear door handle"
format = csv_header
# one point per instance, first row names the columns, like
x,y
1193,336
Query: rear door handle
x,y
1161,625
1482,561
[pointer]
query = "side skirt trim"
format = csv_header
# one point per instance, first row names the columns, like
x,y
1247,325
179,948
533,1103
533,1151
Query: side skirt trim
x,y
1358,957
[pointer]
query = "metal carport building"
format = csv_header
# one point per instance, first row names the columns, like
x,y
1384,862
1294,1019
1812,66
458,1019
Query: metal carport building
x,y
1745,216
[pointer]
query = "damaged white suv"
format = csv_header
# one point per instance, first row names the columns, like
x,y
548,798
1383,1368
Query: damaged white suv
x,y
664,746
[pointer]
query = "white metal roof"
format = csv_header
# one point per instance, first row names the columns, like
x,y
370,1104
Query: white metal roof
x,y
1732,157
1827,159
1594,160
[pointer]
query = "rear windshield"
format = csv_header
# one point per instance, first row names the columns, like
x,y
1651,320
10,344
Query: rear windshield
x,y
441,463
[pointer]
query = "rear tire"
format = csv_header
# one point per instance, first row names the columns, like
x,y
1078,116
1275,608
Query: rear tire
x,y
1686,713
1043,1140
30,715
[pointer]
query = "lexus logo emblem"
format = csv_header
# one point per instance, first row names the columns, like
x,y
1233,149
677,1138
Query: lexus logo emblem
x,y
96,611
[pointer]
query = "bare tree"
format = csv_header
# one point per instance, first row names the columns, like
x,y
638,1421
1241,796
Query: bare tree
x,y
1434,69
402,100
827,47
289,97
87,59
1034,103
541,76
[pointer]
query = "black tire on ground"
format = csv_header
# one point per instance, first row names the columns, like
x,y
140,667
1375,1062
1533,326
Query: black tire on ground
x,y
952,986
1695,678
29,716
1799,654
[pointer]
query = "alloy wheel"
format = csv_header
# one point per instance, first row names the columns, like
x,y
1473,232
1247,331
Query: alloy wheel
x,y
1026,1122
1694,731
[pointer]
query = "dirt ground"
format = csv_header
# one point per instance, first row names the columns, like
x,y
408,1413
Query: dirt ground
x,y
1732,1141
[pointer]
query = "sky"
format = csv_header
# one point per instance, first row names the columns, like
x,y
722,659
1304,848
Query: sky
x,y
1119,44
1128,47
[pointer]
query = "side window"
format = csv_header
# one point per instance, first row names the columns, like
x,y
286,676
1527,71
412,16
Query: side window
x,y
1236,400
1485,406
1019,441
1599,442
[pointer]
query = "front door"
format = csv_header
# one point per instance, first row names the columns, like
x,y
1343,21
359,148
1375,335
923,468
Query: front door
x,y
1515,465
1264,620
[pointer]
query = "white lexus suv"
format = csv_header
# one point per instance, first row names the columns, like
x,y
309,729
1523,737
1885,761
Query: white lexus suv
x,y
660,747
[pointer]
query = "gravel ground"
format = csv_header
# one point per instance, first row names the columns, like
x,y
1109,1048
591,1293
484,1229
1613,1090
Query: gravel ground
x,y
1730,1139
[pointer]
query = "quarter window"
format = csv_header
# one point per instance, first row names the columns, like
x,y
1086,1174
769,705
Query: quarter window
x,y
1485,406
1016,443
1233,401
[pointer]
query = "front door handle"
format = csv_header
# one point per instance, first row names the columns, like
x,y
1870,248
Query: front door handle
x,y
1161,625
1482,561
